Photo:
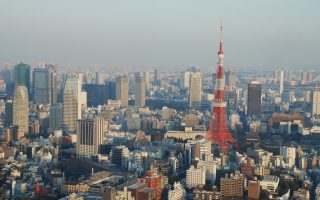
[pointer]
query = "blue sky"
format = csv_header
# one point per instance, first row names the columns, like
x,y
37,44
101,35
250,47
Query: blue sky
x,y
163,34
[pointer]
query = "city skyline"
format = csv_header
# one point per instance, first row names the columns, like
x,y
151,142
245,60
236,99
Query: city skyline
x,y
121,35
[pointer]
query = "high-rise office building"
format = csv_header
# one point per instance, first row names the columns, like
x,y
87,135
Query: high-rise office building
x,y
281,82
289,155
97,94
306,78
231,80
7,75
22,75
89,137
53,84
156,76
20,107
99,78
8,113
112,88
254,98
71,104
210,167
140,91
195,90
184,79
122,90
55,120
146,76
44,84
316,101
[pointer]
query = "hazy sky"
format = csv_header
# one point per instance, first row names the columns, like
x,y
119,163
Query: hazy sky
x,y
161,33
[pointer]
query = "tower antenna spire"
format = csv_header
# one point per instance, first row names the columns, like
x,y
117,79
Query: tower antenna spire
x,y
221,45
221,32
219,132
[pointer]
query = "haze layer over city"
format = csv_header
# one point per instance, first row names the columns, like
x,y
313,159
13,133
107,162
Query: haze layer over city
x,y
159,100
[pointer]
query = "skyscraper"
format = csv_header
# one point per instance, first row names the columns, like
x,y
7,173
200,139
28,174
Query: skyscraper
x,y
122,90
140,90
6,75
316,101
254,98
195,90
281,82
89,136
231,80
22,75
8,113
99,78
44,87
112,89
55,120
306,78
71,103
53,83
156,75
20,107
184,79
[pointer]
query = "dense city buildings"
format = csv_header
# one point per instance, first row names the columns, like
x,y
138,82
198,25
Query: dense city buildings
x,y
188,133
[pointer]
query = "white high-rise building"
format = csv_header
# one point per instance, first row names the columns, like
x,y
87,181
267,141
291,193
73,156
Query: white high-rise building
x,y
173,161
178,192
184,79
20,108
289,155
195,90
89,137
281,82
316,101
195,177
71,103
210,168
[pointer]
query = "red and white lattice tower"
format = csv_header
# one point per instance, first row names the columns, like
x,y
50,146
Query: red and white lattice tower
x,y
219,131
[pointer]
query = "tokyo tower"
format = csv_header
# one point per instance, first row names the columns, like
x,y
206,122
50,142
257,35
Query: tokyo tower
x,y
219,131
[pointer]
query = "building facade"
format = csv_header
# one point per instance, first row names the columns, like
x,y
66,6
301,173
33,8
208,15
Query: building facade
x,y
122,90
254,98
89,137
20,107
